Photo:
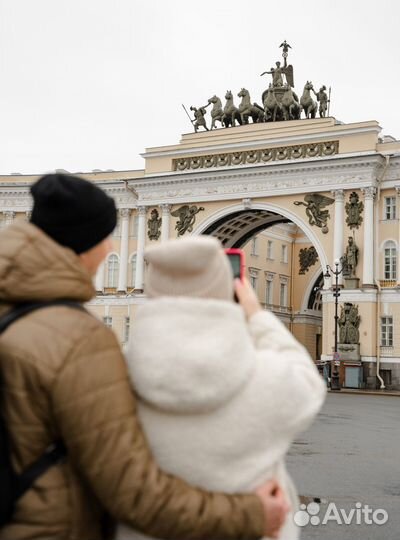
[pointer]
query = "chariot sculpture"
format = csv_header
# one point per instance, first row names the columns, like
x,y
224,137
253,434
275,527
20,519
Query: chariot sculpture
x,y
278,102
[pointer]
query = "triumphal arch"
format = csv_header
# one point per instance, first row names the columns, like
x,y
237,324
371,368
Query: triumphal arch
x,y
303,193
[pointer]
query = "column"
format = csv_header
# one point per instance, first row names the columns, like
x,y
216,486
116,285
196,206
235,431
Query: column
x,y
398,238
8,218
368,258
338,246
166,209
124,249
28,215
141,239
100,275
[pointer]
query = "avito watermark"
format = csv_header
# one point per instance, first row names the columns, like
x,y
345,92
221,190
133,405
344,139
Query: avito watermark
x,y
360,515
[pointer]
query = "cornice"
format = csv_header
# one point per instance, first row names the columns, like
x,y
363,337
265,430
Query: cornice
x,y
347,295
262,141
113,300
307,176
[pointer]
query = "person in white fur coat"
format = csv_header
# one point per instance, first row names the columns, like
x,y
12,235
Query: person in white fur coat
x,y
223,388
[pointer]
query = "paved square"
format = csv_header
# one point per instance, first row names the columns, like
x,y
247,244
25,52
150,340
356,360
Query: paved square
x,y
351,455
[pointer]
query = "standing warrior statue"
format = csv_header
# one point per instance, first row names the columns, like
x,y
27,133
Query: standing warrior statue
x,y
199,115
322,97
350,259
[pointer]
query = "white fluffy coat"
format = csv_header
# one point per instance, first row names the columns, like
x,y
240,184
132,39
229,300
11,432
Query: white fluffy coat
x,y
221,400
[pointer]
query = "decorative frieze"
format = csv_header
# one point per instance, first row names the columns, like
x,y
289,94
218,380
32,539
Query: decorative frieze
x,y
251,157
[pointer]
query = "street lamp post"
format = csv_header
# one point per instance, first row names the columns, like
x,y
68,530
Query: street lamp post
x,y
335,384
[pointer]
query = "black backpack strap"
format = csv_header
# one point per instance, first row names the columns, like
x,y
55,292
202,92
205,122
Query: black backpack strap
x,y
56,451
51,456
23,309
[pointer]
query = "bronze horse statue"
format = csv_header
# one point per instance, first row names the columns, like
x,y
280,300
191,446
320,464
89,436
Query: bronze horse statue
x,y
217,113
308,105
272,107
247,109
290,104
231,113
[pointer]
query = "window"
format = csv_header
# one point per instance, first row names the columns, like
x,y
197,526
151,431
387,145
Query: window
x,y
132,270
107,321
126,329
390,207
284,253
254,246
283,295
390,260
253,282
269,292
253,273
270,249
386,331
112,271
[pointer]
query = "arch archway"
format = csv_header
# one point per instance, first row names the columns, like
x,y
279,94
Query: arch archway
x,y
235,225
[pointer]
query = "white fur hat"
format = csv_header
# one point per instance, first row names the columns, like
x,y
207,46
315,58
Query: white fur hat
x,y
195,266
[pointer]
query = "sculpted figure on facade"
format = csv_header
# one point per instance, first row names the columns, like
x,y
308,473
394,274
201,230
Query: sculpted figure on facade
x,y
154,224
279,101
350,259
231,112
290,104
199,115
315,203
217,112
308,105
276,72
322,98
248,109
349,322
187,218
307,258
354,209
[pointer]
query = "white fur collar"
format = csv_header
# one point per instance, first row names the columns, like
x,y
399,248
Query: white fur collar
x,y
189,355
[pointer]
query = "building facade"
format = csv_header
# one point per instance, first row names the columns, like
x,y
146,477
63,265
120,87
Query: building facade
x,y
291,193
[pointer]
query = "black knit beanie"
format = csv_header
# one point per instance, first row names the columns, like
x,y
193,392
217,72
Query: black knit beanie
x,y
74,212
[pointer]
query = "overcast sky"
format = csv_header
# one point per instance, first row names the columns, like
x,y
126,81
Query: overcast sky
x,y
89,84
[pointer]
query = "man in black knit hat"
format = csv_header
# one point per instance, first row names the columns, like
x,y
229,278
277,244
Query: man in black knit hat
x,y
64,377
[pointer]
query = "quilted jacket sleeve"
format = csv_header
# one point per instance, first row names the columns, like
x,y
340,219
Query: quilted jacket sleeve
x,y
95,407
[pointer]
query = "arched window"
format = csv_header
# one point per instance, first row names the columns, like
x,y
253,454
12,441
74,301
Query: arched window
x,y
112,271
390,252
132,270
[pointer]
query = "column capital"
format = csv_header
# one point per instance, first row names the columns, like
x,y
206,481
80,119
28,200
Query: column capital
x,y
369,192
9,214
397,188
142,210
124,213
165,207
28,215
338,195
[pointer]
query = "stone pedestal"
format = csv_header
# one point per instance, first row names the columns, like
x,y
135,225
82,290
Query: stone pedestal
x,y
351,283
349,358
349,352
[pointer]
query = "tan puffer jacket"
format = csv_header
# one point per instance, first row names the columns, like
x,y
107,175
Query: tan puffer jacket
x,y
64,375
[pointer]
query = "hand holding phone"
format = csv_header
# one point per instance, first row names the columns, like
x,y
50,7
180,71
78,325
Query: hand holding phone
x,y
237,259
247,297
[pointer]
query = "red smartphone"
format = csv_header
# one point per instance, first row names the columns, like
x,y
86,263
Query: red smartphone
x,y
237,259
